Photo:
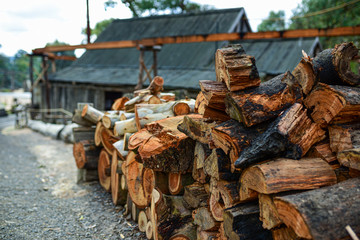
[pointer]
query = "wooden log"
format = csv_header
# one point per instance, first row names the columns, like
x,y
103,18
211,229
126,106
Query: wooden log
x,y
185,232
229,192
147,98
291,135
119,195
218,166
128,205
83,133
207,234
333,65
77,118
134,212
119,148
108,139
350,158
146,114
119,103
214,93
214,114
201,153
242,222
202,217
162,147
104,166
344,136
91,114
334,104
86,154
268,214
304,74
149,230
322,213
282,175
178,181
197,128
154,88
200,103
126,141
126,115
216,205
284,233
108,120
266,102
195,195
142,221
236,69
232,137
85,175
322,150
125,126
167,97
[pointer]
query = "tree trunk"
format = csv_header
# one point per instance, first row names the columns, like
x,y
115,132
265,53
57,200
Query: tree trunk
x,y
86,154
266,102
333,65
104,166
322,213
91,114
282,175
236,69
291,135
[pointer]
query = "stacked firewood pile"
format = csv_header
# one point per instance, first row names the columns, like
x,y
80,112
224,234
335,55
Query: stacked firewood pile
x,y
257,160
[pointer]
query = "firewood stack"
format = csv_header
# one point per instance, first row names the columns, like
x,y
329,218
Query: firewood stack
x,y
257,160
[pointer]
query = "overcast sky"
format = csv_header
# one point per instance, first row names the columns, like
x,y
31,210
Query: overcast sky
x,y
29,24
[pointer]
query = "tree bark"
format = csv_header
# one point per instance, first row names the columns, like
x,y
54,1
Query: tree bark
x,y
350,158
91,114
322,213
214,93
344,136
77,118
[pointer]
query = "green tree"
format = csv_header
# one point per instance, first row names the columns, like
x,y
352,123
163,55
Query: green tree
x,y
274,22
327,14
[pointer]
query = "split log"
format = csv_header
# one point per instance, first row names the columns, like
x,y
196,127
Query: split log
x,y
200,103
83,133
167,97
201,153
236,69
232,137
322,150
104,170
203,218
119,195
77,118
185,232
344,136
86,154
268,214
108,120
126,115
119,148
178,181
108,139
91,114
197,128
214,114
126,141
151,99
291,135
334,104
125,126
214,93
154,88
282,175
162,147
284,233
149,230
350,158
97,134
119,103
195,195
333,65
242,222
207,234
218,166
322,213
216,205
142,221
147,113
304,74
266,102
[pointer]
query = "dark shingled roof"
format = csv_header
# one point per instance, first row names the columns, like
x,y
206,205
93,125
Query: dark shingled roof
x,y
181,65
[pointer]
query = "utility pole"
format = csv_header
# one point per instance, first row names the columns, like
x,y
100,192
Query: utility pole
x,y
88,30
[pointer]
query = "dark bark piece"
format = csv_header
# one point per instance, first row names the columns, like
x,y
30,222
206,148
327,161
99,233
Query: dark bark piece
x,y
214,93
304,74
86,154
333,65
195,195
322,213
83,133
334,104
236,69
232,137
291,135
344,136
242,222
203,218
266,102
350,158
282,175
197,128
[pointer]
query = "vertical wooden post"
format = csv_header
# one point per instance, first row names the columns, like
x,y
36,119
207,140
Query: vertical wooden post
x,y
154,62
88,30
141,59
47,84
31,77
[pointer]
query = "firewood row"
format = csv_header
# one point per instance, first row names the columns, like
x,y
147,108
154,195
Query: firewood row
x,y
246,160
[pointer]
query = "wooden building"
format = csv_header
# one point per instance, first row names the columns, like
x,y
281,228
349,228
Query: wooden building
x,y
100,76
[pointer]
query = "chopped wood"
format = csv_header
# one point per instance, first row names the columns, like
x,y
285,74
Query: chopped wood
x,y
142,221
97,134
214,114
119,103
201,153
284,233
151,99
291,135
206,234
242,222
149,230
304,74
268,214
266,102
282,175
119,148
167,97
216,205
236,69
322,150
154,88
119,195
83,133
108,120
86,154
333,65
322,213
126,141
91,114
125,126
108,139
218,165
350,158
147,113
202,217
77,118
104,167
344,136
195,195
185,232
214,93
334,104
183,107
126,115
178,181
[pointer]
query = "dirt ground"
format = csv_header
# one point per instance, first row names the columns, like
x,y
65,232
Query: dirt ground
x,y
39,196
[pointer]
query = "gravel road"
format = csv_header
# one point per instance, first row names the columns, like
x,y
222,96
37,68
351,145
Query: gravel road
x,y
39,196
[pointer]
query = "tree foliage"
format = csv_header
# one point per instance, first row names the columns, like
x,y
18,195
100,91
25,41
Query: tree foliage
x,y
274,22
